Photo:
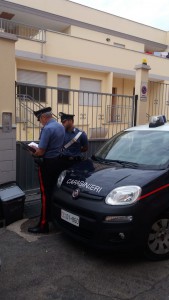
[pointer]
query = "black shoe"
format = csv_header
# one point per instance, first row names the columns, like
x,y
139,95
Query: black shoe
x,y
39,229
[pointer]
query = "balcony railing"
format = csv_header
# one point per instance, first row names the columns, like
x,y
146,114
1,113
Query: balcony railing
x,y
23,31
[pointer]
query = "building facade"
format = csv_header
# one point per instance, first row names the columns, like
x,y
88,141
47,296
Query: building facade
x,y
75,58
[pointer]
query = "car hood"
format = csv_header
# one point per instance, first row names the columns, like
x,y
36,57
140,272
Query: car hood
x,y
99,179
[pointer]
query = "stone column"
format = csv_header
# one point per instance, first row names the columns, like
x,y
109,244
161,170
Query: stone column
x,y
141,89
7,108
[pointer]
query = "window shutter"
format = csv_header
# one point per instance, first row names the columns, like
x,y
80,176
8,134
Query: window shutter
x,y
27,78
87,98
31,77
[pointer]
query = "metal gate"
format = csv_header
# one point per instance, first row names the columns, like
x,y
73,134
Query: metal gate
x,y
158,99
100,115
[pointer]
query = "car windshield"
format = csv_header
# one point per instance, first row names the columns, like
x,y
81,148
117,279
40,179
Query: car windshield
x,y
142,149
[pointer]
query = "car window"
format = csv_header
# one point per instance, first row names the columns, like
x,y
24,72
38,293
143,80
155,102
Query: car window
x,y
148,148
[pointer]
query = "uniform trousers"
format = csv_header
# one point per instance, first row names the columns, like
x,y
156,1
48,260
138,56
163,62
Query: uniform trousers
x,y
48,172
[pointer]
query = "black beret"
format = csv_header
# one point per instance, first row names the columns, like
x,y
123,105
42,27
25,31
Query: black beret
x,y
65,117
42,111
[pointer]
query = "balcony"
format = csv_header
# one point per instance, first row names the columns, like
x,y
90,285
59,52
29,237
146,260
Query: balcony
x,y
23,31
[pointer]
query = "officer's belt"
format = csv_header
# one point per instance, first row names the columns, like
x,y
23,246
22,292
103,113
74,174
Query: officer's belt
x,y
73,140
72,158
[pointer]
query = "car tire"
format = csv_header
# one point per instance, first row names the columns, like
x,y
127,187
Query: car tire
x,y
157,245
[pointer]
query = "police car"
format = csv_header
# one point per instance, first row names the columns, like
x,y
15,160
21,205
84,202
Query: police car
x,y
119,198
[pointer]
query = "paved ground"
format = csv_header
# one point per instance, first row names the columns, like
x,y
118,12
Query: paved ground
x,y
47,267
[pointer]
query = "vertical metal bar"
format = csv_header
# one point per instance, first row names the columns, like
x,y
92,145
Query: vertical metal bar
x,y
135,108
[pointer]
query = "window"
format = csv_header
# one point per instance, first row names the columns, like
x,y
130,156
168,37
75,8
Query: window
x,y
91,92
63,93
31,85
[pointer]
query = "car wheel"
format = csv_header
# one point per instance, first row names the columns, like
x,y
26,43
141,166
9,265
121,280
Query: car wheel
x,y
157,246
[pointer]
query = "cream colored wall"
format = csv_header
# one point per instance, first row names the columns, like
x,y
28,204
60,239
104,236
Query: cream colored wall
x,y
7,104
53,71
83,51
101,38
33,47
124,86
95,116
92,16
7,78
75,75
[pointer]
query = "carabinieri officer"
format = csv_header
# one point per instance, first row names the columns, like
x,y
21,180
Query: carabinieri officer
x,y
50,145
75,142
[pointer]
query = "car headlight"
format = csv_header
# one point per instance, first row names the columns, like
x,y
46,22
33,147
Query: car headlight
x,y
61,178
123,195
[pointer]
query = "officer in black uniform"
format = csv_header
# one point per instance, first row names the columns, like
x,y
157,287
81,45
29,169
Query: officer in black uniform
x,y
75,142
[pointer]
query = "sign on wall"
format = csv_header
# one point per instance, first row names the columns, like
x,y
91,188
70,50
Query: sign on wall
x,y
143,94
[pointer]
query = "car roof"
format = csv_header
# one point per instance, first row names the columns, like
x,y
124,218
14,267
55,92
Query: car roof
x,y
164,127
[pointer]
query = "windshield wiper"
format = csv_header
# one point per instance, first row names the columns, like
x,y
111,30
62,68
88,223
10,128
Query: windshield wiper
x,y
128,164
103,160
125,164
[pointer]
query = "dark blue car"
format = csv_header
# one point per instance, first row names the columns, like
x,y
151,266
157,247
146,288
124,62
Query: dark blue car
x,y
119,198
